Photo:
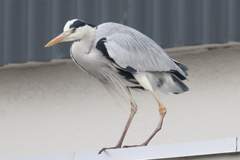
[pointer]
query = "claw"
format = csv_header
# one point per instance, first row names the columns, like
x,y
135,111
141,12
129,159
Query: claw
x,y
103,149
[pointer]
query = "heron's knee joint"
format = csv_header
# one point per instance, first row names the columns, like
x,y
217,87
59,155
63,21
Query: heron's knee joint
x,y
162,110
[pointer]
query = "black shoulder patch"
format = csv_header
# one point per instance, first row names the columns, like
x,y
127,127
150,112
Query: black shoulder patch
x,y
125,72
77,24
101,47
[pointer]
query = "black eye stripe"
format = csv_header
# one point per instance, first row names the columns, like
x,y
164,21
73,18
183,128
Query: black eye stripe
x,y
77,24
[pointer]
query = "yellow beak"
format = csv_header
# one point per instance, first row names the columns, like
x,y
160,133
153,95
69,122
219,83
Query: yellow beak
x,y
57,39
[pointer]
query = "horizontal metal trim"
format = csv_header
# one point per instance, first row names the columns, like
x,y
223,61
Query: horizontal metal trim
x,y
188,149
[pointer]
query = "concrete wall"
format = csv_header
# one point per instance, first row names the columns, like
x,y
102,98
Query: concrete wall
x,y
57,108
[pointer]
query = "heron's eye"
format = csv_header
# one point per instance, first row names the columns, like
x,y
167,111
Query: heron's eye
x,y
73,30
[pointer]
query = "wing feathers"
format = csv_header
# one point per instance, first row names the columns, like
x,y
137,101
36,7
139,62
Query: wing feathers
x,y
134,53
128,47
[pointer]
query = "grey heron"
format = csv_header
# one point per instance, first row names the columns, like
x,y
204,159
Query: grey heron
x,y
122,58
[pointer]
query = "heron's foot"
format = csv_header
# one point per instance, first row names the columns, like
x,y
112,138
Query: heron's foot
x,y
103,149
135,146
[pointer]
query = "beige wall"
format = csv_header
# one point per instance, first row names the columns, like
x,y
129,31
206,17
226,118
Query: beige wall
x,y
57,108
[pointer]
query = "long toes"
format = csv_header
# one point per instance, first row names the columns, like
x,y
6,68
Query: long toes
x,y
103,149
132,146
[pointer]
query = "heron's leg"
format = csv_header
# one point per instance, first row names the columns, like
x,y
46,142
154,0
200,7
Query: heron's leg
x,y
162,112
119,144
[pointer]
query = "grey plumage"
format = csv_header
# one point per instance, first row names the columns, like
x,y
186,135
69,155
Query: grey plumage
x,y
128,48
122,58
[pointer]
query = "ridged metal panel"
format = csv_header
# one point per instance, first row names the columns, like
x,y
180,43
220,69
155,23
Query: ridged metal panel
x,y
27,25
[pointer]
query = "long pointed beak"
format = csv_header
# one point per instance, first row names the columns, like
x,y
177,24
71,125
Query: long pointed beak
x,y
57,39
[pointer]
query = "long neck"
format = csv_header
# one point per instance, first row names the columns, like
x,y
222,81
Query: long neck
x,y
85,44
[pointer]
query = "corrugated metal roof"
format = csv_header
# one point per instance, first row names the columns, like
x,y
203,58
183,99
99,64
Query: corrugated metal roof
x,y
27,25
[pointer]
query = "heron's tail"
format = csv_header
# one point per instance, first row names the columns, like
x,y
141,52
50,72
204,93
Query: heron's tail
x,y
169,82
181,66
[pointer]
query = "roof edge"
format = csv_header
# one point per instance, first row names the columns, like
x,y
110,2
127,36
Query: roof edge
x,y
187,149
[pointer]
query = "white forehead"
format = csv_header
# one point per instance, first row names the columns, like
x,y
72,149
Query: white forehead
x,y
68,24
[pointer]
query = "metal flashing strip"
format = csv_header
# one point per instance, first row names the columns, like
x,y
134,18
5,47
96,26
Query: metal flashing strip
x,y
238,145
199,148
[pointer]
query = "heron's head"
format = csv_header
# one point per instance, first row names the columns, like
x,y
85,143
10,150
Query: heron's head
x,y
73,30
